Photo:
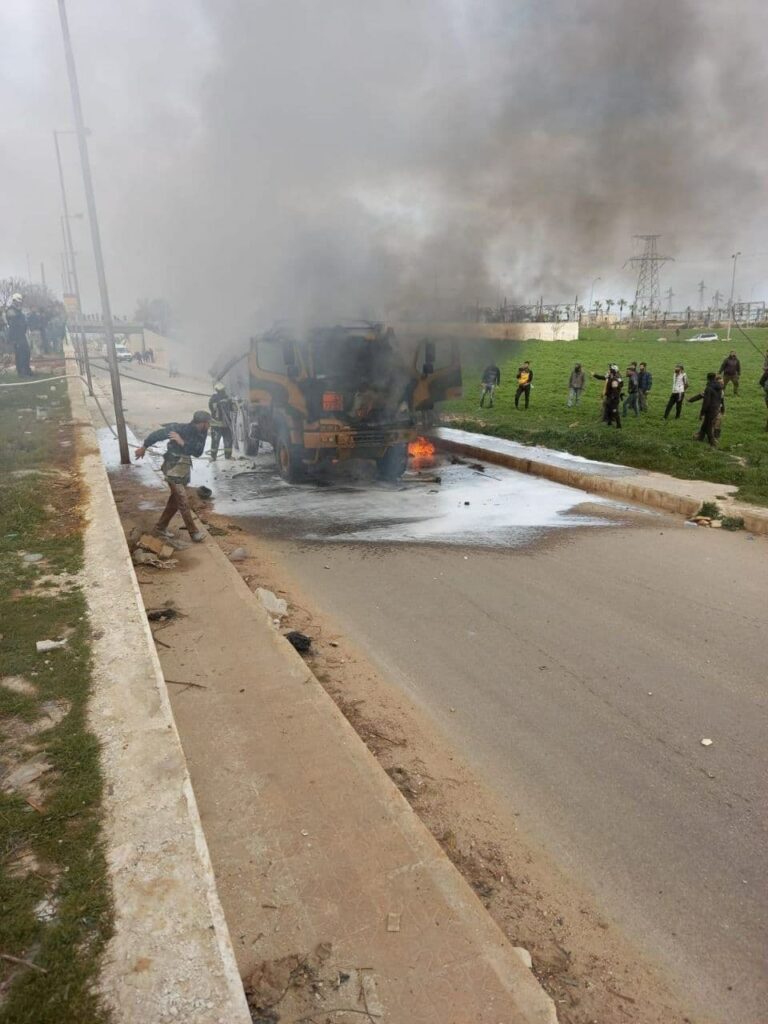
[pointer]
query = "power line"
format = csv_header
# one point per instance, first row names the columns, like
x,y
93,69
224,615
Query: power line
x,y
648,291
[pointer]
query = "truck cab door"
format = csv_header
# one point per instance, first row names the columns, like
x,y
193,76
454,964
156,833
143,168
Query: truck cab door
x,y
438,367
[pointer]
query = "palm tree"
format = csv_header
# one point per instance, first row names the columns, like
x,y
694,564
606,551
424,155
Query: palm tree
x,y
608,304
598,307
621,304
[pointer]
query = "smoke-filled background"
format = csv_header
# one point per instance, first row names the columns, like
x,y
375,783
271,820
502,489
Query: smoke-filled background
x,y
409,157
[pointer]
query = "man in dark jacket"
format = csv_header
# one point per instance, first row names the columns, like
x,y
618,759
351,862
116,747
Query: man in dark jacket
x,y
185,442
731,371
712,407
764,385
644,385
222,412
489,381
17,335
524,382
611,395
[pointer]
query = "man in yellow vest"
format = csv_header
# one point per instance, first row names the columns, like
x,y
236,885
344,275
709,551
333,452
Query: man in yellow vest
x,y
524,382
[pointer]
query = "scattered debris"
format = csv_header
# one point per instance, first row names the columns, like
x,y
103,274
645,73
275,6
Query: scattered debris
x,y
182,682
141,557
49,645
31,557
273,604
271,981
204,492
155,546
25,773
393,922
300,641
706,743
162,614
22,963
238,555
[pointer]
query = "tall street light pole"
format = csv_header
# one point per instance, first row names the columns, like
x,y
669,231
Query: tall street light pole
x,y
592,294
106,311
734,257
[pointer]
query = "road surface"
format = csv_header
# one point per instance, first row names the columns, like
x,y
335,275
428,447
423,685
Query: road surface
x,y
585,666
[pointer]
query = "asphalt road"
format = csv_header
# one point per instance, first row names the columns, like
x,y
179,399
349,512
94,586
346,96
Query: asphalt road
x,y
585,666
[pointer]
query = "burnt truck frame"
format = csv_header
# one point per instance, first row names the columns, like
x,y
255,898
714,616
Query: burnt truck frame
x,y
334,393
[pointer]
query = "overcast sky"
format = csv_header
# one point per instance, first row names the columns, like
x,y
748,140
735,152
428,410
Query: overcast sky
x,y
257,158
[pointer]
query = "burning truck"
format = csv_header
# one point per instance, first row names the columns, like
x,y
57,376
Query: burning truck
x,y
330,394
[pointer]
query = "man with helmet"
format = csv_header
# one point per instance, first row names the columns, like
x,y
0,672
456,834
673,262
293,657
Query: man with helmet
x,y
222,410
185,441
17,334
611,395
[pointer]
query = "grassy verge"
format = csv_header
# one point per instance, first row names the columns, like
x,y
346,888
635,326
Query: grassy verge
x,y
55,913
647,442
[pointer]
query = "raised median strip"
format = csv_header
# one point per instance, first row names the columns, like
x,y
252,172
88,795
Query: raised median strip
x,y
622,483
170,957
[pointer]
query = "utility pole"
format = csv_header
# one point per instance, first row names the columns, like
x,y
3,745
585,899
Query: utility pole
x,y
670,296
72,279
106,311
702,289
591,296
735,258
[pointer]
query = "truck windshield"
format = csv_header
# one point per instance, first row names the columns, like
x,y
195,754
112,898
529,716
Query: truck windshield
x,y
353,360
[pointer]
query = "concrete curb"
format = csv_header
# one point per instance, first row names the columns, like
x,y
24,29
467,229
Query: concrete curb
x,y
171,956
683,497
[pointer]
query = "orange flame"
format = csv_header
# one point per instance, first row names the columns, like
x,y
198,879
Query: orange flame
x,y
421,448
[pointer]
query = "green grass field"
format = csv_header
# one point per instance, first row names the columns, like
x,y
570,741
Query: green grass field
x,y
647,442
55,909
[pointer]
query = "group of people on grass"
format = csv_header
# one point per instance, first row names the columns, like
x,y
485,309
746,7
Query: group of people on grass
x,y
638,381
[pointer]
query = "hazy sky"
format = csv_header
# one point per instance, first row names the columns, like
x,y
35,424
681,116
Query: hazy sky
x,y
258,158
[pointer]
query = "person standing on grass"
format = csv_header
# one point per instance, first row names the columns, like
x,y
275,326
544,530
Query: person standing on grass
x,y
576,384
17,335
679,387
712,409
764,385
731,371
611,395
644,385
631,400
185,442
524,384
489,381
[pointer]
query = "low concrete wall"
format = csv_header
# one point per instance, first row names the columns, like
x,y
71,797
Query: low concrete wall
x,y
567,330
170,957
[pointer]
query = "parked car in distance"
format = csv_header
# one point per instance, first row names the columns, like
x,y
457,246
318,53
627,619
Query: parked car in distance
x,y
705,336
124,354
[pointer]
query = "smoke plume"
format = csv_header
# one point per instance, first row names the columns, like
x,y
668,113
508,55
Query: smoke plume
x,y
415,157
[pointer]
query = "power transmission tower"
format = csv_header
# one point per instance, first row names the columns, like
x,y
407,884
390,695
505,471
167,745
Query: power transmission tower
x,y
717,298
648,292
670,296
702,289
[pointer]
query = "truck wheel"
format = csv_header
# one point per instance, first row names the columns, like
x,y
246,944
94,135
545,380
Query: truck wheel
x,y
247,444
288,458
393,463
